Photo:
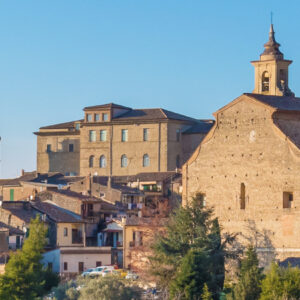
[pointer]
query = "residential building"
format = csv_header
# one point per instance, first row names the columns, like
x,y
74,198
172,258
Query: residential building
x,y
113,140
247,167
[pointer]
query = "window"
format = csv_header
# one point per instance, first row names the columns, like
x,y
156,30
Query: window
x,y
243,196
102,135
71,147
102,161
65,231
265,82
91,161
65,266
124,137
145,134
80,266
89,117
96,117
178,161
98,263
287,199
11,194
177,135
50,266
124,161
77,126
146,160
92,136
48,148
105,117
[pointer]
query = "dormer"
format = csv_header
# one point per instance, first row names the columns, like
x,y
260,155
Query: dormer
x,y
103,113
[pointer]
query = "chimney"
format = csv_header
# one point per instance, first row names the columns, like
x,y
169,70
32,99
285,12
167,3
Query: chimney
x,y
22,172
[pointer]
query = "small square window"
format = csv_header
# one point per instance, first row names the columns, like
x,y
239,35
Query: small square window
x,y
124,137
105,117
102,135
71,147
97,118
287,199
48,148
89,117
98,263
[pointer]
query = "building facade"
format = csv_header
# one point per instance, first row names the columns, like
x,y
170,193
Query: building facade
x,y
247,167
116,140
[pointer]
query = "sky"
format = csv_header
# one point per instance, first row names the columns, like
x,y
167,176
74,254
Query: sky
x,y
187,56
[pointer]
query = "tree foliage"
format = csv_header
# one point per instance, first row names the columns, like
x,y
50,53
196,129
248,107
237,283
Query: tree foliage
x,y
104,288
25,277
281,283
250,277
190,245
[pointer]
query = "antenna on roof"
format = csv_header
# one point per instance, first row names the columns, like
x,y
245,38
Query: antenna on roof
x,y
271,17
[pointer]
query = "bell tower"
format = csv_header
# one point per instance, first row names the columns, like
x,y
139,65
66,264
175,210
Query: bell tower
x,y
271,71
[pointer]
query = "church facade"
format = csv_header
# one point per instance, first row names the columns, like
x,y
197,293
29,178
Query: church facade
x,y
248,165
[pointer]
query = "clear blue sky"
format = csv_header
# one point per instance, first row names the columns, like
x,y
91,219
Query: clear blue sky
x,y
188,56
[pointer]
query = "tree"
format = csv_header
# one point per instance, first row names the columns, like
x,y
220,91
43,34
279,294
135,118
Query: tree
x,y
192,275
192,234
250,277
206,295
281,283
108,288
25,277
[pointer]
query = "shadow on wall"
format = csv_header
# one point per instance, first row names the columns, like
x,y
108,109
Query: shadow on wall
x,y
261,240
66,159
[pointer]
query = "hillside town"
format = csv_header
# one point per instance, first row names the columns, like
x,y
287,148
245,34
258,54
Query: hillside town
x,y
106,184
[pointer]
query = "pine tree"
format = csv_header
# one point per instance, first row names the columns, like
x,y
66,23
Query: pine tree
x,y
206,294
24,276
250,277
192,234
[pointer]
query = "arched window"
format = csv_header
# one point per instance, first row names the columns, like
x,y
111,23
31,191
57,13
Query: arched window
x,y
91,161
146,160
265,81
243,196
124,161
178,161
102,161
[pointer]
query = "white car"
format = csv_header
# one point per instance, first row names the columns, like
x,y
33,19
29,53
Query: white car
x,y
98,271
87,272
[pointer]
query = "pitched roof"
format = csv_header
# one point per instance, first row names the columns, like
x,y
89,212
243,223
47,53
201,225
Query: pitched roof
x,y
106,106
20,209
285,103
12,230
153,114
65,125
54,178
16,181
56,213
202,126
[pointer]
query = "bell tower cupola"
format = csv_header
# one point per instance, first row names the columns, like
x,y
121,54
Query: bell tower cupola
x,y
271,71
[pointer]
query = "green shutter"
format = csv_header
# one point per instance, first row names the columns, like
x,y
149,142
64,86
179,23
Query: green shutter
x,y
12,195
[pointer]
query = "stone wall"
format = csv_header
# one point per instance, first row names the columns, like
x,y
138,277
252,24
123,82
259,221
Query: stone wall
x,y
245,150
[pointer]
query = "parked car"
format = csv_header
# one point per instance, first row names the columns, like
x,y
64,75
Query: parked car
x,y
132,275
98,271
87,272
109,272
